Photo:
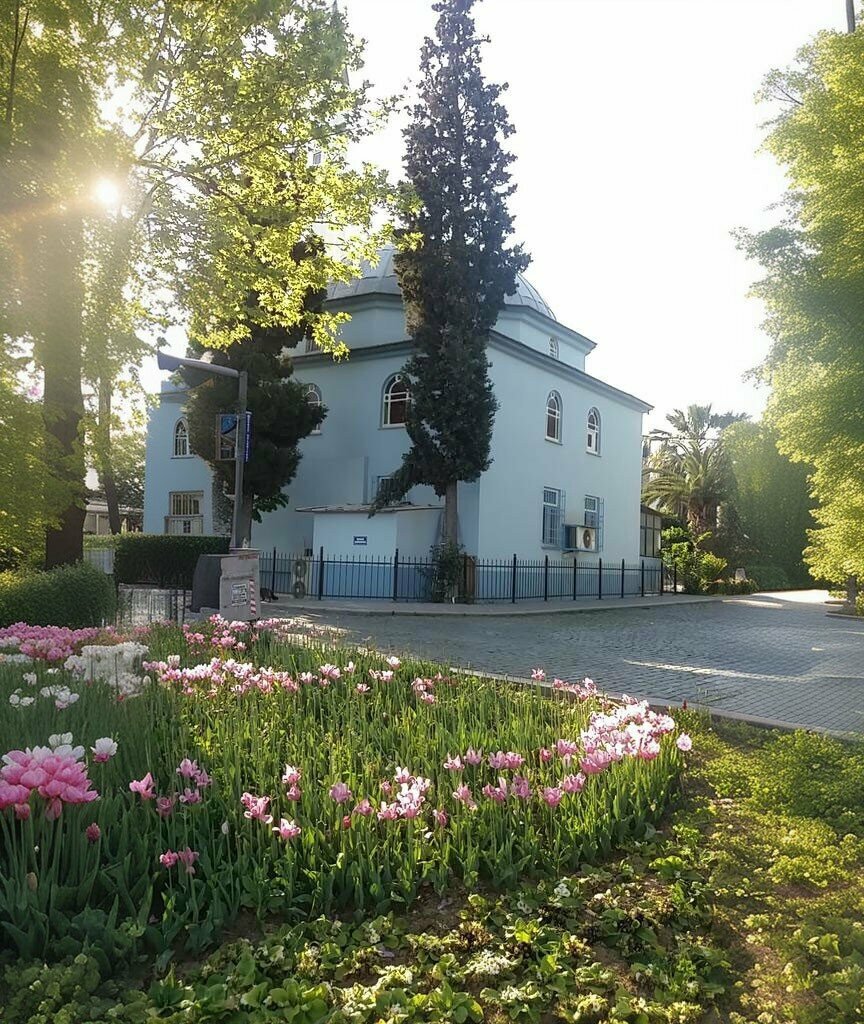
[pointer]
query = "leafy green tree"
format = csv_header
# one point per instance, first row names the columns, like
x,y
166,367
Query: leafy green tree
x,y
689,474
813,290
211,156
454,281
772,503
281,414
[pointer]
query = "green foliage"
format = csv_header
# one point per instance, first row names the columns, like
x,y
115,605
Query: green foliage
x,y
447,571
71,595
689,474
770,577
696,570
455,276
163,560
772,506
281,414
813,290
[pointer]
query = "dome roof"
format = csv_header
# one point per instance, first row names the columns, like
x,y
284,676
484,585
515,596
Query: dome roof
x,y
380,279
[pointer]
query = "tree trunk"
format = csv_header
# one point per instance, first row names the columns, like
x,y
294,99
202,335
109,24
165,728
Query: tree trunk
x,y
451,514
63,405
852,591
105,461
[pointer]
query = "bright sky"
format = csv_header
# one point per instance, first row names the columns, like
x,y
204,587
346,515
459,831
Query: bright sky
x,y
636,142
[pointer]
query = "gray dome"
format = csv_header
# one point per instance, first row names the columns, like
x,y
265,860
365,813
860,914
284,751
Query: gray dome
x,y
380,279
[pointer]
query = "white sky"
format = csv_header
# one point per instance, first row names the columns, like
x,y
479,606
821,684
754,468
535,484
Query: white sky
x,y
636,142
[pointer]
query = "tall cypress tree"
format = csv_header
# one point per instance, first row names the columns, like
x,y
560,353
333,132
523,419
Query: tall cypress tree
x,y
454,283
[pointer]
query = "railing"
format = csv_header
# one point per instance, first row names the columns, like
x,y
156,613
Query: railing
x,y
102,558
141,605
400,578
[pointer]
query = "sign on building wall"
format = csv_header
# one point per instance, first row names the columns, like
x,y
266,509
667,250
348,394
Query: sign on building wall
x,y
360,541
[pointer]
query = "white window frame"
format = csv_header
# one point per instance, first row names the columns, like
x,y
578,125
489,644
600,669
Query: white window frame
x,y
552,518
390,385
181,429
185,516
554,411
554,349
308,391
594,514
594,429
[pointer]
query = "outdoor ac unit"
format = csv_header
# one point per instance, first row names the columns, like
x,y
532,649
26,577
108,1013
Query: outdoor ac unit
x,y
586,538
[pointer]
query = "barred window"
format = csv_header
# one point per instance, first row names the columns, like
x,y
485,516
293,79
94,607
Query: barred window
x,y
314,397
553,516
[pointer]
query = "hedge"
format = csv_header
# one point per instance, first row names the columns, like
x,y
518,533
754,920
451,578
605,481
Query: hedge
x,y
162,560
769,577
72,595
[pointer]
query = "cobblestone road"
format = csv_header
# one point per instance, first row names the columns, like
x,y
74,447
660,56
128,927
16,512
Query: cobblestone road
x,y
777,657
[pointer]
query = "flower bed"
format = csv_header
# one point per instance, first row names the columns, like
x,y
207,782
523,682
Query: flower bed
x,y
150,798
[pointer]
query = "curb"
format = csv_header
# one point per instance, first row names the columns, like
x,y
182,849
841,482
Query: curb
x,y
495,611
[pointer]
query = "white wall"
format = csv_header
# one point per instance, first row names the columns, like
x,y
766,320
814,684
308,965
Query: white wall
x,y
336,531
511,492
164,472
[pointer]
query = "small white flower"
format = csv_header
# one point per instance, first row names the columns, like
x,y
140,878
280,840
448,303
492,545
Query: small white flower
x,y
225,828
561,890
104,748
30,678
59,739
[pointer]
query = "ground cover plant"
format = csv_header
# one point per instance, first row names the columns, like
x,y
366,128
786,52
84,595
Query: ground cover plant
x,y
154,788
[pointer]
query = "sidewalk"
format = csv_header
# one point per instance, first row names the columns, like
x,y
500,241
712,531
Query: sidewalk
x,y
287,607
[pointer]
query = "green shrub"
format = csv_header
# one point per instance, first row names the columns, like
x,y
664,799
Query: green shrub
x,y
72,595
164,561
101,541
769,577
733,587
695,569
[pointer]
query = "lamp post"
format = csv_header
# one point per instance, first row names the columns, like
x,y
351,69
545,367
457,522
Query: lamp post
x,y
166,362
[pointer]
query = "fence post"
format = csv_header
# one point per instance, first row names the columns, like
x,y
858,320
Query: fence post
x,y
675,578
600,580
465,577
321,573
642,580
273,575
622,579
662,571
513,586
396,576
574,577
546,578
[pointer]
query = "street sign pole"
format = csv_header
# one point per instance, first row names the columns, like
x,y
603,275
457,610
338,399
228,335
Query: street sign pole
x,y
237,531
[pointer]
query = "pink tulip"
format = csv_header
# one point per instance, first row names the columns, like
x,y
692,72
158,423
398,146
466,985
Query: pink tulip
x,y
552,795
188,858
291,776
473,756
144,787
340,792
538,674
573,783
165,806
465,797
256,807
440,818
168,859
545,755
363,808
287,829
93,832
454,764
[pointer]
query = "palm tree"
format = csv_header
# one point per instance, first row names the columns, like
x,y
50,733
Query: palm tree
x,y
689,474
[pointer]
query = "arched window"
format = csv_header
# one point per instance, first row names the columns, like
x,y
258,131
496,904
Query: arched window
x,y
553,417
181,439
396,398
593,445
553,347
314,397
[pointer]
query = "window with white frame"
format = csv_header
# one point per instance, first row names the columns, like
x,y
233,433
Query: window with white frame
x,y
384,485
313,396
593,517
396,398
553,347
593,442
181,439
553,517
185,515
553,417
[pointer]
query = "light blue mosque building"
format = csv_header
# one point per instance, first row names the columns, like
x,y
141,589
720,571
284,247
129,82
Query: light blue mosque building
x,y
564,481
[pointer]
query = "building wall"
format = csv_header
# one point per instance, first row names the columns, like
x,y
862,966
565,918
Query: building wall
x,y
164,473
524,463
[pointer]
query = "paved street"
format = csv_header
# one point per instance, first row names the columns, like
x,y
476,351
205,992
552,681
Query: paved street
x,y
778,657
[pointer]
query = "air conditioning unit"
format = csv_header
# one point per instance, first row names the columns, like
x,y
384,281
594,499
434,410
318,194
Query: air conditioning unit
x,y
585,538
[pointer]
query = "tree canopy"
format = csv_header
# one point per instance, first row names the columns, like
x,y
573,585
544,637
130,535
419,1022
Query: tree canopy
x,y
203,120
813,290
455,277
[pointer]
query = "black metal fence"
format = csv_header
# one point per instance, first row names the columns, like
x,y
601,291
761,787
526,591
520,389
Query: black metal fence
x,y
513,579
